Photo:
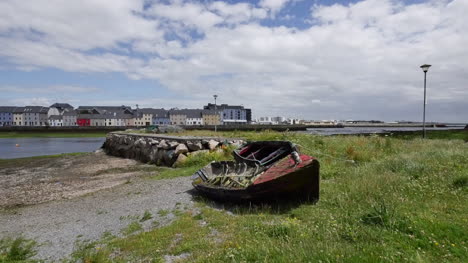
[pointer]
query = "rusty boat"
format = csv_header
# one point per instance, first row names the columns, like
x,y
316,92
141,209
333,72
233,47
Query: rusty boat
x,y
262,170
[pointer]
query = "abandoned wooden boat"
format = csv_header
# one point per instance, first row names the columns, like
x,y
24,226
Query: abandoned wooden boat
x,y
262,170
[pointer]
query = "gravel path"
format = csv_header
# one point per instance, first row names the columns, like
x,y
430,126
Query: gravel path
x,y
57,225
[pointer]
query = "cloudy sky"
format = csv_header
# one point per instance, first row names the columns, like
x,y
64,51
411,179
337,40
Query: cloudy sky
x,y
312,59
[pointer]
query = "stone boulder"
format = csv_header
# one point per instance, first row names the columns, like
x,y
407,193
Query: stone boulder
x,y
194,146
181,148
163,145
212,144
153,142
182,158
172,144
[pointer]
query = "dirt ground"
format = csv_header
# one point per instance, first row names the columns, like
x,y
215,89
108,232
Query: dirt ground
x,y
34,181
62,201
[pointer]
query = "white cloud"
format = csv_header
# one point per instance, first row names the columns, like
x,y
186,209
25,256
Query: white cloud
x,y
355,61
237,13
273,5
40,101
83,25
48,90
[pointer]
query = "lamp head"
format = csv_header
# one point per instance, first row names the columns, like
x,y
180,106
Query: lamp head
x,y
425,67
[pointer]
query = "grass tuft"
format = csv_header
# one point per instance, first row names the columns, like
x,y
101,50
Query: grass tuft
x,y
132,228
146,216
18,249
381,214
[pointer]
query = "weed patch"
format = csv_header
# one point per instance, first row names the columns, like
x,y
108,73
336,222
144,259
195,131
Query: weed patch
x,y
146,216
163,212
18,249
132,228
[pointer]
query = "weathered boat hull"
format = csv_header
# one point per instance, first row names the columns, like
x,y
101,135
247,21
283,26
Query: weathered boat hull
x,y
285,179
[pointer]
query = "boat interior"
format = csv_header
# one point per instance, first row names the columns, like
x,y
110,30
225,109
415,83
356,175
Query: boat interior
x,y
264,153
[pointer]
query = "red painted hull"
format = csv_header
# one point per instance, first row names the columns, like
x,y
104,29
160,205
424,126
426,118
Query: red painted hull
x,y
283,179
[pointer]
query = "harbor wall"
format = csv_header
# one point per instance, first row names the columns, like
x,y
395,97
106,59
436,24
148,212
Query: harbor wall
x,y
162,150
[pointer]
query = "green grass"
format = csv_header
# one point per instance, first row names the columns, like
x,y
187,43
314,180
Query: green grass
x,y
132,228
382,199
17,250
4,135
443,134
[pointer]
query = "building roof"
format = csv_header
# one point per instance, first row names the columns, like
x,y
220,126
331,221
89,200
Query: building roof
x,y
189,113
146,110
160,113
69,112
210,112
105,109
31,109
7,109
55,117
61,106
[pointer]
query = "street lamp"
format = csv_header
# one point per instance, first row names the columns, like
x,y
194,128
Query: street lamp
x,y
215,97
425,68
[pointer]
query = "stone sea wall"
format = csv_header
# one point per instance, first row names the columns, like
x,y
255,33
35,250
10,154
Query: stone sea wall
x,y
162,150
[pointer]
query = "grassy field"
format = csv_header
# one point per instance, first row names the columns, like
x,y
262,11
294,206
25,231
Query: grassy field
x,y
51,134
442,134
382,199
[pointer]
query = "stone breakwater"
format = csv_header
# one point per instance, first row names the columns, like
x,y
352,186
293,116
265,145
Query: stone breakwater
x,y
162,150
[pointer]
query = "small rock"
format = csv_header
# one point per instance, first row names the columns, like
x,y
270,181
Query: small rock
x,y
212,144
180,160
181,148
153,142
162,144
194,146
173,144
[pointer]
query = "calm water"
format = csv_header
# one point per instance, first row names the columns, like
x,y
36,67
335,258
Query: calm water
x,y
368,130
46,146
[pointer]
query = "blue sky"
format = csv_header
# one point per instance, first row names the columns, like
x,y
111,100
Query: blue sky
x,y
309,59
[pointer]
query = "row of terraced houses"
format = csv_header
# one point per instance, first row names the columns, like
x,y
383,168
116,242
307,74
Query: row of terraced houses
x,y
64,114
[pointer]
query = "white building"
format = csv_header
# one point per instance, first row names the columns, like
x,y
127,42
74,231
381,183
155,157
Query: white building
x,y
56,121
193,117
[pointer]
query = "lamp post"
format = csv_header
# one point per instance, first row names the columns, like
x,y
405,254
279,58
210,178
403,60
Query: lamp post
x,y
216,112
425,68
